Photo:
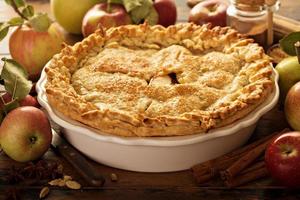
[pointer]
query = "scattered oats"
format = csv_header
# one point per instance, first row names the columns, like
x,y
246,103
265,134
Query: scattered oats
x,y
44,192
73,185
114,177
67,178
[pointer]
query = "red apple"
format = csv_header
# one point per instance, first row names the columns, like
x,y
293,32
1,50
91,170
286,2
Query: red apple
x,y
99,15
167,13
33,49
29,101
282,159
292,106
25,134
210,11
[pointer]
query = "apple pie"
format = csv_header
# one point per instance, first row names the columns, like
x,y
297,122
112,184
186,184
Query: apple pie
x,y
141,80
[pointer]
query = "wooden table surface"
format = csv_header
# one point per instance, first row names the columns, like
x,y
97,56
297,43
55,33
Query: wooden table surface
x,y
132,185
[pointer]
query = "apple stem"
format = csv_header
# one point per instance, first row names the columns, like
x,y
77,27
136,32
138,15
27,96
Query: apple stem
x,y
297,48
108,9
15,7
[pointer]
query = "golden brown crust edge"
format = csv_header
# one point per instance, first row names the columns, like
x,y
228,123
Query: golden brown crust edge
x,y
63,98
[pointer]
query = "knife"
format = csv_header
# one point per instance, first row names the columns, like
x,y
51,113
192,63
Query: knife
x,y
76,159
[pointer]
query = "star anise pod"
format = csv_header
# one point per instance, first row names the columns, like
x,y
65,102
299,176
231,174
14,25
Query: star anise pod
x,y
14,175
28,170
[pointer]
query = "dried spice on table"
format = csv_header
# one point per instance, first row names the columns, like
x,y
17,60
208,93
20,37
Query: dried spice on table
x,y
32,173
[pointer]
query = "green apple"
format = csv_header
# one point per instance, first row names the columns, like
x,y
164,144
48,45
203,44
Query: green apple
x,y
69,13
289,74
25,134
33,49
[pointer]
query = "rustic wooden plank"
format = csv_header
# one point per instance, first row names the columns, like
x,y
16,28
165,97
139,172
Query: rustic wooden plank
x,y
157,193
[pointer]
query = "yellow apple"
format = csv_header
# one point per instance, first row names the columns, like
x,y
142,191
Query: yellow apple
x,y
69,13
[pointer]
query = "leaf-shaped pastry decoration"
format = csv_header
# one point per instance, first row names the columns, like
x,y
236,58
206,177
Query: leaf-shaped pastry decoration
x,y
15,79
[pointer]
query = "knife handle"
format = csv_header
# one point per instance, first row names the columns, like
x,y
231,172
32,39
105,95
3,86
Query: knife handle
x,y
79,162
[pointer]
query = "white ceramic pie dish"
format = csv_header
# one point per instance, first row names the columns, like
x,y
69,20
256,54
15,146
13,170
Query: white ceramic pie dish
x,y
156,154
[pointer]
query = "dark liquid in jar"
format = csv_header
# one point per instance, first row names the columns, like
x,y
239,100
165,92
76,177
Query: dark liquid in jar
x,y
261,38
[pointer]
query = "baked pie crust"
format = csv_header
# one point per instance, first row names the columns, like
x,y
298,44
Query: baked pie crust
x,y
141,80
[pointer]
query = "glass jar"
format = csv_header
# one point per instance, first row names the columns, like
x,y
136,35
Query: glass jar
x,y
250,17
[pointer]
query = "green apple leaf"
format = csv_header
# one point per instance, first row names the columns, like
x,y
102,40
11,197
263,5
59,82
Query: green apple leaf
x,y
40,22
138,14
287,43
28,11
132,4
152,18
16,21
13,104
19,3
4,27
15,79
115,1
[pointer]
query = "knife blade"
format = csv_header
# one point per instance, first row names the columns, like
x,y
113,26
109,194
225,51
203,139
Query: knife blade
x,y
76,159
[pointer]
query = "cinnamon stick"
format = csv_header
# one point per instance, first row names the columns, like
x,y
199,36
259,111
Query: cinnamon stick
x,y
206,171
254,167
258,171
245,160
210,169
248,158
251,168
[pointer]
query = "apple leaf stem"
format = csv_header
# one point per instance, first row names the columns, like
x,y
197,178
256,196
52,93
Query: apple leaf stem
x,y
16,9
2,100
15,87
297,49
